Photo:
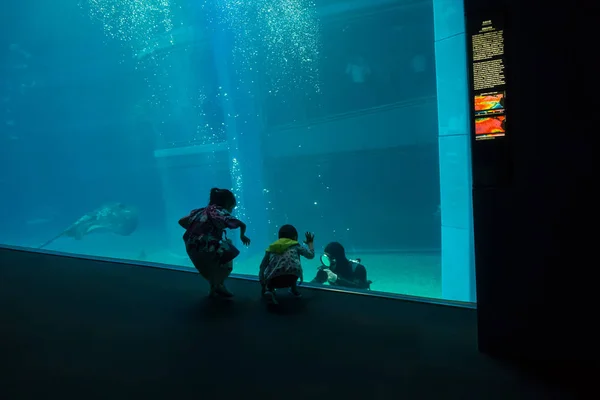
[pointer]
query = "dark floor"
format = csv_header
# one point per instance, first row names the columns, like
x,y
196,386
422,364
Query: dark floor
x,y
112,331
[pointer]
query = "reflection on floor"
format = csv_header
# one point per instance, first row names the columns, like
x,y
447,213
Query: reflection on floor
x,y
409,273
403,273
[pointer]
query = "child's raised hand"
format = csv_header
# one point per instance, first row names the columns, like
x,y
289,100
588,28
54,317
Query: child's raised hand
x,y
245,240
310,237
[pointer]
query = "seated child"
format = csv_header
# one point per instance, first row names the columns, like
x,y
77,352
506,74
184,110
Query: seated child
x,y
206,242
281,267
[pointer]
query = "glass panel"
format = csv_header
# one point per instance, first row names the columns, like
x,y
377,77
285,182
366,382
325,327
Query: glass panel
x,y
323,115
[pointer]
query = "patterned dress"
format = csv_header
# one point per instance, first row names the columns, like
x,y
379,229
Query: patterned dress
x,y
283,258
206,232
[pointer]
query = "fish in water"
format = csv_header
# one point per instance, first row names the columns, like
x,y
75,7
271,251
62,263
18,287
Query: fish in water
x,y
116,218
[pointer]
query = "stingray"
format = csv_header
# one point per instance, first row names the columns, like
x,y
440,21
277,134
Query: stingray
x,y
116,218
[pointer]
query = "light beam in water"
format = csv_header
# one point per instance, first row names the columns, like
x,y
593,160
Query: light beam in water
x,y
278,39
135,22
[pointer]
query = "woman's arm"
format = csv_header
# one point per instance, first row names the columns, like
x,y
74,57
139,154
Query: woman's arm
x,y
345,283
359,280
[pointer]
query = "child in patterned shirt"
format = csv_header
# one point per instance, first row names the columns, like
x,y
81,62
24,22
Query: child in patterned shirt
x,y
281,267
206,242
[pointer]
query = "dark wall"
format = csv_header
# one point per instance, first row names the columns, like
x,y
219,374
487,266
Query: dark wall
x,y
533,236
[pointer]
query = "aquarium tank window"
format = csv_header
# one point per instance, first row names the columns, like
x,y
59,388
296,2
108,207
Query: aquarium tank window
x,y
345,118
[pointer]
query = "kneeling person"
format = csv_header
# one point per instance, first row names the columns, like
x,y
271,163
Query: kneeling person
x,y
281,266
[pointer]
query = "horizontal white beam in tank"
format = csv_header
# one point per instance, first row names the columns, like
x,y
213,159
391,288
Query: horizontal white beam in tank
x,y
408,123
189,150
352,6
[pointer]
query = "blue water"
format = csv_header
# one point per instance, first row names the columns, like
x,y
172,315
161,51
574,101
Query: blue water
x,y
327,115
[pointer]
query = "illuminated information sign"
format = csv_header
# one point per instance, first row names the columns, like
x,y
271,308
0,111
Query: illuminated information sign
x,y
489,85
